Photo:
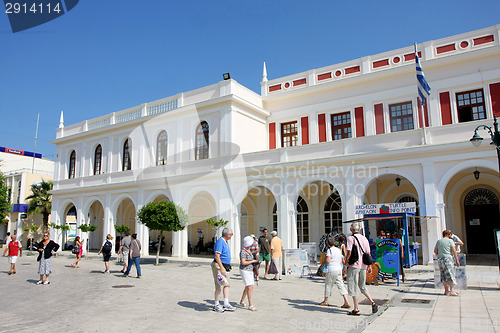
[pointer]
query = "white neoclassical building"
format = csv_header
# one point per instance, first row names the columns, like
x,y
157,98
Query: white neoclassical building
x,y
303,154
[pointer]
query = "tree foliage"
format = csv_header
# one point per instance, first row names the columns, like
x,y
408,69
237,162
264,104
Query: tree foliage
x,y
4,199
40,201
121,229
163,216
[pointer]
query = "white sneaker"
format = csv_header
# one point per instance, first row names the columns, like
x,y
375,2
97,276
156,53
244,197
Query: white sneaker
x,y
229,307
106,272
218,308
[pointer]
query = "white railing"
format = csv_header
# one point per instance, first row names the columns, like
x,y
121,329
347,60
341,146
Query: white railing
x,y
161,106
128,116
98,124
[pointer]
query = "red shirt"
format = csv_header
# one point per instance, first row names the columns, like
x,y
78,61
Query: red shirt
x,y
13,249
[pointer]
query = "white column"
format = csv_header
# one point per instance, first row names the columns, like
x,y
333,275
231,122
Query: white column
x,y
350,199
141,230
81,219
179,243
429,207
107,223
287,219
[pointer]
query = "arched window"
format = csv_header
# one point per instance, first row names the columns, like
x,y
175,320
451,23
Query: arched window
x,y
333,213
161,148
302,221
127,163
72,165
202,143
97,160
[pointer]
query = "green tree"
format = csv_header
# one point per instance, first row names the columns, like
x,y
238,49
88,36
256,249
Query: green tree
x,y
216,225
40,201
121,229
62,229
31,229
4,200
163,216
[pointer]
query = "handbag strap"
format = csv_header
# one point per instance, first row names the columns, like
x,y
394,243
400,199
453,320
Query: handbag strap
x,y
359,244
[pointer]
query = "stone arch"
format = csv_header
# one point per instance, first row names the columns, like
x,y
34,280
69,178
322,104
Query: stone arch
x,y
201,207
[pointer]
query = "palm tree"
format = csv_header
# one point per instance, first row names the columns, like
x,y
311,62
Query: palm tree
x,y
40,201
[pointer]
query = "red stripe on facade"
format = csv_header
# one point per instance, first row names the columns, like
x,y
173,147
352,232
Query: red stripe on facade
x,y
483,40
299,82
445,48
360,122
495,98
353,69
411,56
381,63
304,126
444,100
275,87
379,118
272,135
322,127
426,116
324,76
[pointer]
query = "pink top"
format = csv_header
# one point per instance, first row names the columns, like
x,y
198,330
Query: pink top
x,y
366,248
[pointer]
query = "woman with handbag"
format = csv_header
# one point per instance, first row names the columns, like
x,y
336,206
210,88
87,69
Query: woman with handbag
x,y
333,268
78,250
46,248
246,271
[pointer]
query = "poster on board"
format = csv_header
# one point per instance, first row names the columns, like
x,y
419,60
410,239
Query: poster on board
x,y
294,260
387,254
312,253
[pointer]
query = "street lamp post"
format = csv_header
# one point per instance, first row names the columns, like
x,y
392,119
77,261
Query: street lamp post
x,y
495,138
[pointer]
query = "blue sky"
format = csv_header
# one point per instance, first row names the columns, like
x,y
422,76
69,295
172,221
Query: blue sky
x,y
105,56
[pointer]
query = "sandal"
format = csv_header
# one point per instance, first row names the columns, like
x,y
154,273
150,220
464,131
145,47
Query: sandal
x,y
345,306
353,313
242,304
446,293
324,304
39,282
252,308
46,282
454,293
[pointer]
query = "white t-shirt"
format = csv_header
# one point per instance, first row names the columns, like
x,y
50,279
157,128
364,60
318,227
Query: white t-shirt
x,y
335,259
456,239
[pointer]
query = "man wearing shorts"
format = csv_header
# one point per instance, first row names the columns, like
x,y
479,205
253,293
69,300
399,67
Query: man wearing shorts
x,y
265,249
356,272
222,264
14,248
125,249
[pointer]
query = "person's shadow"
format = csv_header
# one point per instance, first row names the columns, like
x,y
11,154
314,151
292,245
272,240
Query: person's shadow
x,y
197,306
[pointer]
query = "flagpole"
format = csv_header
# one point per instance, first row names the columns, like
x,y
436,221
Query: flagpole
x,y
34,150
421,112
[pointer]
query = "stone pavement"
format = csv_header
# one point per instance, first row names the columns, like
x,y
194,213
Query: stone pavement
x,y
178,296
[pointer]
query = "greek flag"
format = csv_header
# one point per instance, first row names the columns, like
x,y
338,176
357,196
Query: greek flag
x,y
423,87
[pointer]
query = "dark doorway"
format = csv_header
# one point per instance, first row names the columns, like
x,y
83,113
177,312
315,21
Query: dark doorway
x,y
481,217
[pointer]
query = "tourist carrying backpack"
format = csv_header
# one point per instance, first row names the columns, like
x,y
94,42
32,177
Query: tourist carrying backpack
x,y
106,250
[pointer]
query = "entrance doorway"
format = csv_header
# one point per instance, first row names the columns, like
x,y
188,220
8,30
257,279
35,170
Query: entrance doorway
x,y
481,217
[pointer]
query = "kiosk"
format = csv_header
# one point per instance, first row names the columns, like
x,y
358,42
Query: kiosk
x,y
394,218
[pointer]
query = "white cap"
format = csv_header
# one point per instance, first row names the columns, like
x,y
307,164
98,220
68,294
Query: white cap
x,y
248,241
